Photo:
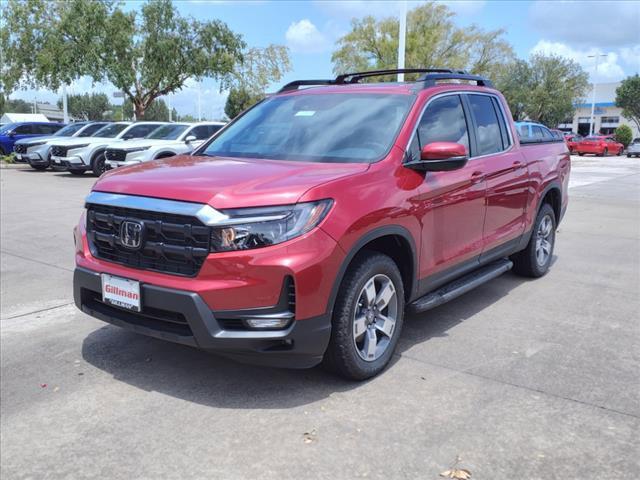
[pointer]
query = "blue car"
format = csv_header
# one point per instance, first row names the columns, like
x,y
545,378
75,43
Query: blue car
x,y
11,132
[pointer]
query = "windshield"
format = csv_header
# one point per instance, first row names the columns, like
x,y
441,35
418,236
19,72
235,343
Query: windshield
x,y
167,132
69,130
342,127
110,131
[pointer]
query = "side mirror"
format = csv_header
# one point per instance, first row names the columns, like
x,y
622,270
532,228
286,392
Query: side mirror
x,y
440,157
190,138
11,134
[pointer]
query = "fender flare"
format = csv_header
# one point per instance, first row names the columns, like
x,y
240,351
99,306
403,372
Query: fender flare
x,y
357,247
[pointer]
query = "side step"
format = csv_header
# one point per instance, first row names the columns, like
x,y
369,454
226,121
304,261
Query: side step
x,y
461,285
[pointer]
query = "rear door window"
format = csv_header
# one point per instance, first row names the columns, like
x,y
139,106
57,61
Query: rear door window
x,y
201,132
488,135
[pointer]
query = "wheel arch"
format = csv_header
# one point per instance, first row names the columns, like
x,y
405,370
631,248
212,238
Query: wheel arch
x,y
393,240
164,154
552,194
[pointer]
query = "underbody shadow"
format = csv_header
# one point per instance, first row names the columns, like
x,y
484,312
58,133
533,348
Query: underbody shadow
x,y
204,378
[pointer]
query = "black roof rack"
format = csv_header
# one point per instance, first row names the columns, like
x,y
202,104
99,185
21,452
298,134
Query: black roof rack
x,y
357,76
304,83
430,78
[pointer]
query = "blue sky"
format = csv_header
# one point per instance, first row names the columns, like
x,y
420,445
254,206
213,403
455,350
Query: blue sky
x,y
311,28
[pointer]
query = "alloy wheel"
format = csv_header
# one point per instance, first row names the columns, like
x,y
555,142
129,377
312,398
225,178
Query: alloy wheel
x,y
544,239
375,317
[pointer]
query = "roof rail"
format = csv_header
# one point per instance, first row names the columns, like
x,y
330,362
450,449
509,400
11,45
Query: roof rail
x,y
357,76
431,79
304,83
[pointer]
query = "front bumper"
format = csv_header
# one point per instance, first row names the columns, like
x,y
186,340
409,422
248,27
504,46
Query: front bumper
x,y
69,162
126,163
183,317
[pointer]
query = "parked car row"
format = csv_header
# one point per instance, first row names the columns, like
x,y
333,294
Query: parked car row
x,y
100,146
601,145
10,133
633,150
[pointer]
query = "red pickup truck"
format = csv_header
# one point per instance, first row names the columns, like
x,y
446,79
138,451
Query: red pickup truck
x,y
304,230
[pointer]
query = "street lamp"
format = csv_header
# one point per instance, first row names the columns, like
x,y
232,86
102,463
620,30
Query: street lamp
x,y
401,38
593,99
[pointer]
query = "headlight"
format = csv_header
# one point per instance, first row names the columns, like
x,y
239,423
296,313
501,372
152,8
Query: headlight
x,y
137,149
249,228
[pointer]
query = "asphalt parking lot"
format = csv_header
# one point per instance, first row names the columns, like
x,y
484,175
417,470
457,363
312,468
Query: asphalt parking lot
x,y
520,379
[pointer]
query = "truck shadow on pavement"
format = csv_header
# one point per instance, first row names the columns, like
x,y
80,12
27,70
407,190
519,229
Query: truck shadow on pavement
x,y
204,378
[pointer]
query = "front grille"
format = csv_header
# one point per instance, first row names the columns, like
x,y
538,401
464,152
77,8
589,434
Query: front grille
x,y
58,151
154,318
115,155
20,148
174,244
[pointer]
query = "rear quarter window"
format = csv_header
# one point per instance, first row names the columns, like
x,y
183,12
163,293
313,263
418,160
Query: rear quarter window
x,y
488,136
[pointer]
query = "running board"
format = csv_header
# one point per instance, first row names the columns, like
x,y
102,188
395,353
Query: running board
x,y
460,286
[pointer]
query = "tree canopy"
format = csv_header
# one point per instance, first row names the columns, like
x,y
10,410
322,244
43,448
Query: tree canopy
x,y
94,106
628,98
145,55
432,40
543,89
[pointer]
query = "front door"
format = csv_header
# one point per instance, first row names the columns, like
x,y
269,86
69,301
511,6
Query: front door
x,y
453,202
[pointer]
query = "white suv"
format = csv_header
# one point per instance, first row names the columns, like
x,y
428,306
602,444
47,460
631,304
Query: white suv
x,y
166,141
82,154
37,151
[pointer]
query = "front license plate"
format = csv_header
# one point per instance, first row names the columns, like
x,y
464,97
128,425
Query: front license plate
x,y
121,292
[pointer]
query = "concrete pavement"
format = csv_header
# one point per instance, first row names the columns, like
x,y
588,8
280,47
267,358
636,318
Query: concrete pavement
x,y
521,379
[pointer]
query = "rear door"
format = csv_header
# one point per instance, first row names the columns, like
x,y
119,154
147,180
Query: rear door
x,y
507,178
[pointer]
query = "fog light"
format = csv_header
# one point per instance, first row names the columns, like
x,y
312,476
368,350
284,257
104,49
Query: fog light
x,y
267,323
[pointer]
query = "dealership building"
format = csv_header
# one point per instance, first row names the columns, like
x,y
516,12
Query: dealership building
x,y
607,117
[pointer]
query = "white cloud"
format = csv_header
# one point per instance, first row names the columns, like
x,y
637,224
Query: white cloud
x,y
588,24
304,36
608,67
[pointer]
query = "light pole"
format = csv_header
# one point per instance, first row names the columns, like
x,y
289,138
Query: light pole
x,y
402,37
597,56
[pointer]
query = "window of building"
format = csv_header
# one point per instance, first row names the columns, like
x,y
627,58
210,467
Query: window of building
x,y
610,119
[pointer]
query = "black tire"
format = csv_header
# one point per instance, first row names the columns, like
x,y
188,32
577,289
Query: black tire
x,y
39,167
580,153
525,263
604,153
628,155
342,356
98,164
73,171
620,151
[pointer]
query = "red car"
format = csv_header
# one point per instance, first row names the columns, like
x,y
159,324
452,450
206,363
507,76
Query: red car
x,y
600,145
572,141
305,228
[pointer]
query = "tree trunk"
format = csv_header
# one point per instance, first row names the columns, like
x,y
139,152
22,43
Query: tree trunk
x,y
139,109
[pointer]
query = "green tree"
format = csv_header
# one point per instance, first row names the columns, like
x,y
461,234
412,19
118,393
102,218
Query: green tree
x,y
186,118
157,111
259,68
624,135
239,100
544,89
432,40
16,106
146,56
94,106
628,98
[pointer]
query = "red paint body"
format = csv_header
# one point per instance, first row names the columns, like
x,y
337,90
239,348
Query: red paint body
x,y
572,142
451,216
601,145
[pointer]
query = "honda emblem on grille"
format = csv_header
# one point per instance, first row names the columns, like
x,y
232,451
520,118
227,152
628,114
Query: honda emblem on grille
x,y
131,234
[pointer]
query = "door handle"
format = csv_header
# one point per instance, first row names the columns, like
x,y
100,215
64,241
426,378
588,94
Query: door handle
x,y
517,164
477,176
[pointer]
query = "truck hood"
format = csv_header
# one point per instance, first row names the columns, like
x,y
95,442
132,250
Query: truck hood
x,y
224,182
